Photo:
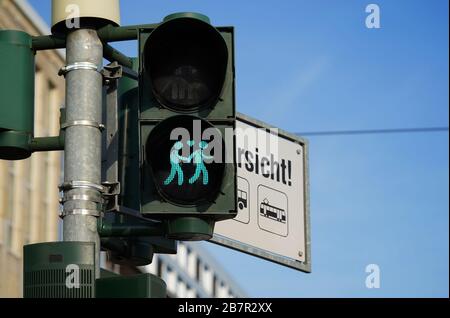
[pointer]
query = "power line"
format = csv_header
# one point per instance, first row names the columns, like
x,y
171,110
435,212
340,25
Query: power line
x,y
373,131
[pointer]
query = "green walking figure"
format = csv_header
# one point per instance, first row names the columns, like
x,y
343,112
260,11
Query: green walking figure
x,y
175,160
198,157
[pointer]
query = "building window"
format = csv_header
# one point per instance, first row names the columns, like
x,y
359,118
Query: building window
x,y
10,205
159,268
8,233
42,206
214,291
27,202
197,271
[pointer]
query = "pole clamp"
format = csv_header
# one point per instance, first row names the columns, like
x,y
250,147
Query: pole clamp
x,y
87,123
107,199
66,186
79,66
87,212
81,197
81,185
112,71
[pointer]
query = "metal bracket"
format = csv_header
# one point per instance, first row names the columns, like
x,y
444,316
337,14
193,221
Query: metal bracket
x,y
112,71
88,123
106,190
109,192
112,188
81,197
81,185
136,214
78,66
95,213
110,195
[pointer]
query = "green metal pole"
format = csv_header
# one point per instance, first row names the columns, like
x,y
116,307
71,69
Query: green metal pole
x,y
107,229
48,42
111,33
111,54
47,143
108,33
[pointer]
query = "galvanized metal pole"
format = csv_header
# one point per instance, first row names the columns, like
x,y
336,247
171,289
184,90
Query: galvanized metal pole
x,y
82,158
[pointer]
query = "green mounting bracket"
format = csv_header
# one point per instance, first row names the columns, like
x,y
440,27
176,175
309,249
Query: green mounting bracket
x,y
188,228
136,286
133,240
129,229
106,34
47,143
133,251
18,145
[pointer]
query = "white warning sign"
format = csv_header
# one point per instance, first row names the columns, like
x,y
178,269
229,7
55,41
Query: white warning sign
x,y
273,197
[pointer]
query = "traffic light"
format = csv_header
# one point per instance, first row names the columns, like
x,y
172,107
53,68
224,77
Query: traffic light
x,y
186,124
17,94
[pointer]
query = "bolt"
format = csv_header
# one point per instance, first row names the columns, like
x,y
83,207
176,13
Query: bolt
x,y
300,253
299,151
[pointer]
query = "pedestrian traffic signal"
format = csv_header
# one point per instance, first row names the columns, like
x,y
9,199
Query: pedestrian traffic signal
x,y
186,124
186,61
185,170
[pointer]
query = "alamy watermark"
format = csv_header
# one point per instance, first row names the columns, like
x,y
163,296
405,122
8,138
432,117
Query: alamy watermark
x,y
73,276
212,142
373,279
73,17
373,20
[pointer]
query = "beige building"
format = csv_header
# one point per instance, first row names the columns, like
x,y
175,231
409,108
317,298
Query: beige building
x,y
29,188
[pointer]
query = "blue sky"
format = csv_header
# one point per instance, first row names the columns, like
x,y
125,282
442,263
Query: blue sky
x,y
313,66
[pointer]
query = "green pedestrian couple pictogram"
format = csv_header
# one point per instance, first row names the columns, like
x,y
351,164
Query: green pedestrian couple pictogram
x,y
197,157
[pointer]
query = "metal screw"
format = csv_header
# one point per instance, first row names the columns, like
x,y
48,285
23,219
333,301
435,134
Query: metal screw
x,y
299,151
300,253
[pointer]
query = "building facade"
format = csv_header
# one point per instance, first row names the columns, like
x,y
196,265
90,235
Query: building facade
x,y
29,188
193,273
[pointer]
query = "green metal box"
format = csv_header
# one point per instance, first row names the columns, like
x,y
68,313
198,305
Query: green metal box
x,y
17,94
59,270
136,286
